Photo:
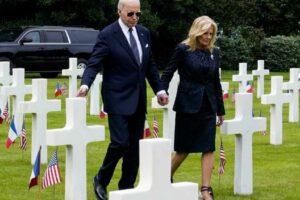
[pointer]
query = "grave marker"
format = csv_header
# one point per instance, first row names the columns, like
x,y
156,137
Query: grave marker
x,y
75,135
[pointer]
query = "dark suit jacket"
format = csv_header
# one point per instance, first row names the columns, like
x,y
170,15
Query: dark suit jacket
x,y
199,75
123,78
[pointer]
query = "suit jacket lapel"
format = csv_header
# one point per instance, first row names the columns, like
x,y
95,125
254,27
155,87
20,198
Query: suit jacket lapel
x,y
123,41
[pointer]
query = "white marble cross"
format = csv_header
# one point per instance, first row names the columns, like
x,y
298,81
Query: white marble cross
x,y
243,126
17,90
73,72
75,135
169,114
95,95
155,183
225,86
242,77
293,87
5,77
276,98
260,72
5,80
39,106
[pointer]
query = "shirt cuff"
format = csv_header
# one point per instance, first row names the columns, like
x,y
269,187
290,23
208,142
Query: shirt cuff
x,y
84,87
161,92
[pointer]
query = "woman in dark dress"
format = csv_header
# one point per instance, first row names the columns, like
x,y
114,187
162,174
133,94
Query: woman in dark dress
x,y
199,98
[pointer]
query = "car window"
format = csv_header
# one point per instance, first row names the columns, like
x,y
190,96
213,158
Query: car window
x,y
83,37
10,35
55,37
34,36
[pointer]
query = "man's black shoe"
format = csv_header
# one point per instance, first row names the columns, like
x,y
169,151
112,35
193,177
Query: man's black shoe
x,y
99,190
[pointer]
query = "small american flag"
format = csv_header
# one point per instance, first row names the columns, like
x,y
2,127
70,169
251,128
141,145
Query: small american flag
x,y
222,159
23,140
52,173
155,127
233,95
6,112
64,89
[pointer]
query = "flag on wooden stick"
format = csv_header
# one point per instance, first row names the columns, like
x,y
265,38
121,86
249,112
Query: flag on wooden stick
x,y
155,126
12,134
249,87
23,140
102,114
36,170
222,159
1,116
52,173
225,95
57,90
6,112
64,89
147,131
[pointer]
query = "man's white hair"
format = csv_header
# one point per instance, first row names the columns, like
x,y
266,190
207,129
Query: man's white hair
x,y
124,2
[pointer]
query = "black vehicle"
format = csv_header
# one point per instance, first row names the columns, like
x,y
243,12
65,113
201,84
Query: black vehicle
x,y
46,49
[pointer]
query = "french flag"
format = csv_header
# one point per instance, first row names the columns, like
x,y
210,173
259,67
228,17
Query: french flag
x,y
102,114
1,117
225,95
35,171
57,90
12,134
147,132
249,88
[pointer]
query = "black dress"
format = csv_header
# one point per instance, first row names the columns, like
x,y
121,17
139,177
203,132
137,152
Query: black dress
x,y
199,98
196,132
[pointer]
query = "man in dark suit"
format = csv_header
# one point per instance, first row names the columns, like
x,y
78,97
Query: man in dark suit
x,y
123,53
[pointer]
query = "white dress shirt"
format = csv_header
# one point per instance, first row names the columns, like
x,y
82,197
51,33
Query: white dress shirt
x,y
125,30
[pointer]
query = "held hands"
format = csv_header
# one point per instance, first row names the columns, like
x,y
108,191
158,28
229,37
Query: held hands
x,y
220,120
163,99
82,92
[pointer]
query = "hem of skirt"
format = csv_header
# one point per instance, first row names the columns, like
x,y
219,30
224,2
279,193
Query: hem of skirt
x,y
195,151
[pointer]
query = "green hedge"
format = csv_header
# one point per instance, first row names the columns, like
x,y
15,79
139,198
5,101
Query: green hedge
x,y
233,51
243,45
248,44
281,53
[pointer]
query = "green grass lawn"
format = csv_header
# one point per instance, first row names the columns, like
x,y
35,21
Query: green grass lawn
x,y
276,169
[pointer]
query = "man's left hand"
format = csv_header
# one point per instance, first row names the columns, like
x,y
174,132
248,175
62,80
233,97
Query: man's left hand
x,y
220,120
163,99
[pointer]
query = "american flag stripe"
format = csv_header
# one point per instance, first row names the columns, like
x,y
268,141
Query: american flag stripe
x,y
6,113
23,140
64,89
52,173
155,127
51,177
222,159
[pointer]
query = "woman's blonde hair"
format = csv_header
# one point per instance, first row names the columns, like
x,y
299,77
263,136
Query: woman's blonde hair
x,y
198,28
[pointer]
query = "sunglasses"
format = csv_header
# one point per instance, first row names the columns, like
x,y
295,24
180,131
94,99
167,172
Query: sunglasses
x,y
130,14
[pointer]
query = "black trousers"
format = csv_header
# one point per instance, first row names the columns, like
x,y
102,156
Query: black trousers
x,y
125,133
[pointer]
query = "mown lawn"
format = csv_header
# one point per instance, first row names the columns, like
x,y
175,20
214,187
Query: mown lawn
x,y
276,169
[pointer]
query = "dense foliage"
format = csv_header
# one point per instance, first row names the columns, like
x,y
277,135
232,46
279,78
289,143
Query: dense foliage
x,y
281,53
241,23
